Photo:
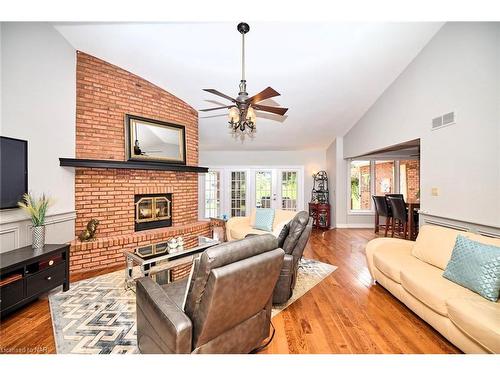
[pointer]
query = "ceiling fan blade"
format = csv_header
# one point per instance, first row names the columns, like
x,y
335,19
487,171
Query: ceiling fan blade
x,y
215,92
213,109
264,94
266,108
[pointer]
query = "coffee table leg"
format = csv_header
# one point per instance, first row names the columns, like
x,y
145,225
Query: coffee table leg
x,y
145,270
128,272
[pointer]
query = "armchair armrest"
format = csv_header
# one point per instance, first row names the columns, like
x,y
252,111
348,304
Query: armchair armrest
x,y
288,264
236,222
283,288
162,327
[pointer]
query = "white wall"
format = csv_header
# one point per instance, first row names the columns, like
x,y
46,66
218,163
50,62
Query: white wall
x,y
337,169
38,91
312,161
331,169
459,70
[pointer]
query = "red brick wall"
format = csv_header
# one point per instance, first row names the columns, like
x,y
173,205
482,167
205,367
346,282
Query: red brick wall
x,y
384,173
105,94
412,179
108,195
108,251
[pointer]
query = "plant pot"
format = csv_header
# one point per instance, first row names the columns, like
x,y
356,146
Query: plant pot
x,y
38,237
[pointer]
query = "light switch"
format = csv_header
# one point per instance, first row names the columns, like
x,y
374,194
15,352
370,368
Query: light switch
x,y
435,192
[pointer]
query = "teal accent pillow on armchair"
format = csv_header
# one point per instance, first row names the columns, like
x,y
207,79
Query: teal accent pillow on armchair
x,y
264,218
475,266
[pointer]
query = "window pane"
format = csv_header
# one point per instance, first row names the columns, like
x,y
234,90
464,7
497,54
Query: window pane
x,y
360,185
289,190
212,194
409,179
263,181
238,193
384,177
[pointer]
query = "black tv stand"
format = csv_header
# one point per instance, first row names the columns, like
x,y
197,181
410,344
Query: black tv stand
x,y
26,273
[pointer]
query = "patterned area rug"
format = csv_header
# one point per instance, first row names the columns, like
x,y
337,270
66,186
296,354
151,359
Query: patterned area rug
x,y
311,272
97,316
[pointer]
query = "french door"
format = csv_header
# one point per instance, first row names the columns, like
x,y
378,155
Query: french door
x,y
235,191
264,189
277,188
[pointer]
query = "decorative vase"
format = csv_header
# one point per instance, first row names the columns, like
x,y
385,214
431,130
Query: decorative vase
x,y
180,241
38,234
172,245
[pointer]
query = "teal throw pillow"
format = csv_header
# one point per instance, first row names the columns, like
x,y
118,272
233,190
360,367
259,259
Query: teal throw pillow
x,y
264,218
475,266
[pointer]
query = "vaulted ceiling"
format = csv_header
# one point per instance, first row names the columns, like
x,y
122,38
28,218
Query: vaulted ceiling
x,y
328,74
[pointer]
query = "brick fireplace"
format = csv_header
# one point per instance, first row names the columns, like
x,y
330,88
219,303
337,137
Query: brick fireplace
x,y
105,94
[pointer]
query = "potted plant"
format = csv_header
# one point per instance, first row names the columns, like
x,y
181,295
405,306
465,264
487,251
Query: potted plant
x,y
36,208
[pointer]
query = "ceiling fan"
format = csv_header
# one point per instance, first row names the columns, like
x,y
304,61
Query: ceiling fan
x,y
242,116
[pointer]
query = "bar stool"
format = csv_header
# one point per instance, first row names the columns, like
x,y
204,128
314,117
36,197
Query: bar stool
x,y
399,215
382,209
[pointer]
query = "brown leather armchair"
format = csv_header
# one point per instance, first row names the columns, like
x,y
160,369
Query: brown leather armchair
x,y
292,239
227,305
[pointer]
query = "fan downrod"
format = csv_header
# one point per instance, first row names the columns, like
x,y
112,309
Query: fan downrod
x,y
243,27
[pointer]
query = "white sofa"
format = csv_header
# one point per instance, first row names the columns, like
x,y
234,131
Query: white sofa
x,y
238,227
412,272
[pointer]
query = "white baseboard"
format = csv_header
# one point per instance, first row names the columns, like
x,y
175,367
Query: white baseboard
x,y
354,226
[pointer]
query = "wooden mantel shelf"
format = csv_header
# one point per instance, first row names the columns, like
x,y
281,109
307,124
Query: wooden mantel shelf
x,y
118,164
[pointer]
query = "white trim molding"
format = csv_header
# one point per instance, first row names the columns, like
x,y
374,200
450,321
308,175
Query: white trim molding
x,y
4,238
15,228
458,224
15,215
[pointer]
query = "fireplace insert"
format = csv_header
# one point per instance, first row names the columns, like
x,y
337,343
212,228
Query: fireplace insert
x,y
153,211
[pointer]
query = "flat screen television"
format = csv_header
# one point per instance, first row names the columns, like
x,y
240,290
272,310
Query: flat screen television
x,y
14,171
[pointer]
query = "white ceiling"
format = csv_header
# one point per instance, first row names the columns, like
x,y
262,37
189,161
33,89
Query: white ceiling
x,y
328,74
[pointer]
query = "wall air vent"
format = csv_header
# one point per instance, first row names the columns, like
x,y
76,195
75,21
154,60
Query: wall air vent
x,y
444,120
437,122
449,118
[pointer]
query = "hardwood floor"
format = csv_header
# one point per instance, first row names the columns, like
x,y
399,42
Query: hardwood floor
x,y
345,313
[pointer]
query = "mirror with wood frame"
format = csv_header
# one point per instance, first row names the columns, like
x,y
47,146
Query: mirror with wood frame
x,y
153,140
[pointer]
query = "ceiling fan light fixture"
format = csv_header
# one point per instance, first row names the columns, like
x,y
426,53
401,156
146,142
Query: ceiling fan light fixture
x,y
234,115
251,116
242,116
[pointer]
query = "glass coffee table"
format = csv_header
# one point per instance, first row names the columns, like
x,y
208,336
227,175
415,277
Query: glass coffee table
x,y
156,260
